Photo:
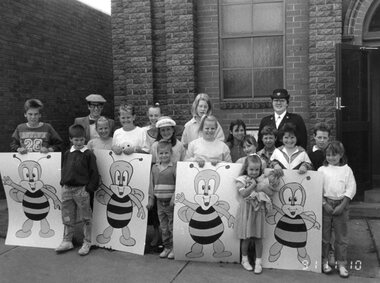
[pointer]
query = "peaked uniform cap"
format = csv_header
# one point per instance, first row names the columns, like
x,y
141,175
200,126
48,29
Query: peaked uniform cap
x,y
96,98
280,93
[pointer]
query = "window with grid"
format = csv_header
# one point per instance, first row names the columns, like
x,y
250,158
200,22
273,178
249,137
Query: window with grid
x,y
252,47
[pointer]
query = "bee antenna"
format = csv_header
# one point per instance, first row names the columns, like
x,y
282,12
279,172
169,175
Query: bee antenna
x,y
111,154
139,159
192,166
15,156
223,166
43,157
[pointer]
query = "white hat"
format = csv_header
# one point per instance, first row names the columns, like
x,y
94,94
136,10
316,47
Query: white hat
x,y
97,98
165,121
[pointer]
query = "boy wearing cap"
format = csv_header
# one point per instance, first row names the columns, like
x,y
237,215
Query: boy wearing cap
x,y
95,105
281,116
35,136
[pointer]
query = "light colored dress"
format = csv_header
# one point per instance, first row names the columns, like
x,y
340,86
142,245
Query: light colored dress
x,y
99,143
250,217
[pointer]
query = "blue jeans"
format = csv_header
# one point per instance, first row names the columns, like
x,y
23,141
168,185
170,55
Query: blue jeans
x,y
76,199
339,225
165,213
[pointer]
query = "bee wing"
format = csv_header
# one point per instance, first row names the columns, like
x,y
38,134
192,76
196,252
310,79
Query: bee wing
x,y
16,195
185,213
139,194
223,204
50,188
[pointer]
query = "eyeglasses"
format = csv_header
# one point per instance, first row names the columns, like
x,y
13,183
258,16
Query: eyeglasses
x,y
93,106
281,100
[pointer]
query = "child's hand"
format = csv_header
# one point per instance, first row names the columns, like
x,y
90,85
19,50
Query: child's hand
x,y
338,210
44,150
303,169
117,149
137,149
22,150
150,203
328,208
128,150
201,163
277,166
214,162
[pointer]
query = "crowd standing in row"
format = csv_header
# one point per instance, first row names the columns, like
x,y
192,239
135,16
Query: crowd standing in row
x,y
282,144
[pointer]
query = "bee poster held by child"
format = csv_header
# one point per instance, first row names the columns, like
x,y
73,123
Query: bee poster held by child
x,y
204,212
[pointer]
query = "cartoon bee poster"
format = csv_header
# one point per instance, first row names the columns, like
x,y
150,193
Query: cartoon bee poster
x,y
120,214
206,203
33,192
294,225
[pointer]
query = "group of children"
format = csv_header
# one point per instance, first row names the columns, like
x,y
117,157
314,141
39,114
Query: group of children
x,y
202,141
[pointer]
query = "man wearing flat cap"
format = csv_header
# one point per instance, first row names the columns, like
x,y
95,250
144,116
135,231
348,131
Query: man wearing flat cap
x,y
280,103
95,104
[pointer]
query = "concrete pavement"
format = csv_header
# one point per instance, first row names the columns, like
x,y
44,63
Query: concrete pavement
x,y
25,264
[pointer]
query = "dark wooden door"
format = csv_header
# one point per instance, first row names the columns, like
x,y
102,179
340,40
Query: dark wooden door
x,y
356,82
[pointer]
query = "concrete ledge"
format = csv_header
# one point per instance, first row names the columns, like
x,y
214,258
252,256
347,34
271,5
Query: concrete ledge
x,y
364,210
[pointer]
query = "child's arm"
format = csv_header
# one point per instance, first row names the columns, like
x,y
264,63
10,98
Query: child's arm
x,y
55,142
150,191
244,191
93,183
16,143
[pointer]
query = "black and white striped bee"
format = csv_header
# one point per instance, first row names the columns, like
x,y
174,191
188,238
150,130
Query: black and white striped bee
x,y
34,196
120,199
292,222
204,216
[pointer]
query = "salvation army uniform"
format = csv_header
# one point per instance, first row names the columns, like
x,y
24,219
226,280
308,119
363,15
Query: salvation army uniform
x,y
287,117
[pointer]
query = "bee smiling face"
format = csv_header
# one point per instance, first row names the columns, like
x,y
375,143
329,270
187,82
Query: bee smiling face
x,y
121,173
30,173
292,197
206,183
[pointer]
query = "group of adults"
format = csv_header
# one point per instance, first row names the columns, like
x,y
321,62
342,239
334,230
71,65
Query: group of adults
x,y
281,116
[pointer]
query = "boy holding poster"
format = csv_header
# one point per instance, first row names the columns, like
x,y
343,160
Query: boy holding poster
x,y
162,187
79,177
35,136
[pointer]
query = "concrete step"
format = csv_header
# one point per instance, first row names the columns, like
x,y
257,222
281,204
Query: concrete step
x,y
372,195
359,209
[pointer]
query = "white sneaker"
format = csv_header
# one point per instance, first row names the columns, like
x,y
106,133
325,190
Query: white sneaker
x,y
85,249
258,268
343,272
64,246
171,255
326,268
165,253
246,265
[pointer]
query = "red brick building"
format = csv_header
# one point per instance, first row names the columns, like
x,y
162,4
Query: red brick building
x,y
238,51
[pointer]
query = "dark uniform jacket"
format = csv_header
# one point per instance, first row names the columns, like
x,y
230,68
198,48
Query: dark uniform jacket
x,y
288,118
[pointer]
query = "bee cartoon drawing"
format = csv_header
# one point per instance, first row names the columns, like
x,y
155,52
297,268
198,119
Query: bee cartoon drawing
x,y
204,216
34,196
120,198
292,222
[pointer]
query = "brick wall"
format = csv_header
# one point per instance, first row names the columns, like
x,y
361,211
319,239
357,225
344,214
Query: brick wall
x,y
58,51
325,32
154,55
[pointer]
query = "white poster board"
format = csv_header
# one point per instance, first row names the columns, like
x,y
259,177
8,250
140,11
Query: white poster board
x,y
120,214
206,203
33,192
294,227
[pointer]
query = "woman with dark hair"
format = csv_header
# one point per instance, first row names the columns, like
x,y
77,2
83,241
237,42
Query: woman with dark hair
x,y
235,139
